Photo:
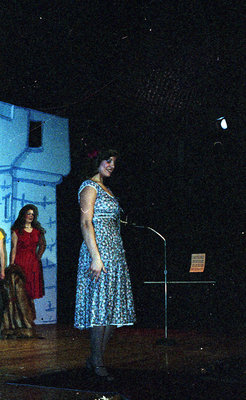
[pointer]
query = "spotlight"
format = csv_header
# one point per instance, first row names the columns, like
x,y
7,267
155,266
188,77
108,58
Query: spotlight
x,y
221,123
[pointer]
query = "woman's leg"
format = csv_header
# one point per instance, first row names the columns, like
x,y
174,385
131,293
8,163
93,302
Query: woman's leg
x,y
108,332
99,336
96,337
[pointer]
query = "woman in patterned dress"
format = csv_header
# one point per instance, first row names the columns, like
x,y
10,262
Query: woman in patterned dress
x,y
104,296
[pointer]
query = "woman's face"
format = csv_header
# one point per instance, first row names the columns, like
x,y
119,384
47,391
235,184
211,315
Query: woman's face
x,y
29,217
106,167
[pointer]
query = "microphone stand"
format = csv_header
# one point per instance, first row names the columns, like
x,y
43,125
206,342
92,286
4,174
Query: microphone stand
x,y
164,341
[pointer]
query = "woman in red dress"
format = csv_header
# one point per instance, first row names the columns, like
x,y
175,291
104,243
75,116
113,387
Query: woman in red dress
x,y
27,249
24,277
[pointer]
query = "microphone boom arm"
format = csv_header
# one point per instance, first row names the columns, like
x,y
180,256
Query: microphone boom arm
x,y
165,267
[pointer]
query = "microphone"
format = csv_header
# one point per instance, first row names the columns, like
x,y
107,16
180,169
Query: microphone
x,y
137,226
134,225
131,223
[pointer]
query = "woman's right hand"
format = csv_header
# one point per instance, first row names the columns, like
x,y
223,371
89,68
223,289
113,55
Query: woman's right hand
x,y
96,268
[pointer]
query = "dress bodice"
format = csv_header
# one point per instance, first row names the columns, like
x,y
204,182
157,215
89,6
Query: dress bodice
x,y
106,205
27,241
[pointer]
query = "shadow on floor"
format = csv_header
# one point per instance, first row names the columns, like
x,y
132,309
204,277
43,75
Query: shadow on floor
x,y
220,380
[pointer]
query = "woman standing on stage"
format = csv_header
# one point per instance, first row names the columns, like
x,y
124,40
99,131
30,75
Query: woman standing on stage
x,y
27,248
24,277
104,296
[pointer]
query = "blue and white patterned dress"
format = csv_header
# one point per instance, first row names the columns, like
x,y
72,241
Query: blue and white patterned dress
x,y
108,301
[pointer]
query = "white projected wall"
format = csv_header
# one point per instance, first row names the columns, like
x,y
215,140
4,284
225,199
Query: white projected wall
x,y
34,157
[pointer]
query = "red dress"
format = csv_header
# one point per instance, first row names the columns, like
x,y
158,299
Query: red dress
x,y
26,258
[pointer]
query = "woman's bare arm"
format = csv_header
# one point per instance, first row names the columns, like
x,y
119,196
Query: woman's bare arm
x,y
14,240
2,259
41,246
87,203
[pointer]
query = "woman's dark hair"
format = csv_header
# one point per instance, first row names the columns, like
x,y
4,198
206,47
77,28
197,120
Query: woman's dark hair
x,y
21,220
95,162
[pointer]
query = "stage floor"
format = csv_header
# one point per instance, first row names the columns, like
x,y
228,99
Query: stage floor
x,y
64,348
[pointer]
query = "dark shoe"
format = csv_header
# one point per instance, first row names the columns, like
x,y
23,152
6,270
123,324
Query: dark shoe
x,y
99,371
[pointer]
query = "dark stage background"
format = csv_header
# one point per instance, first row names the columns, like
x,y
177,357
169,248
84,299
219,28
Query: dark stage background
x,y
149,78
